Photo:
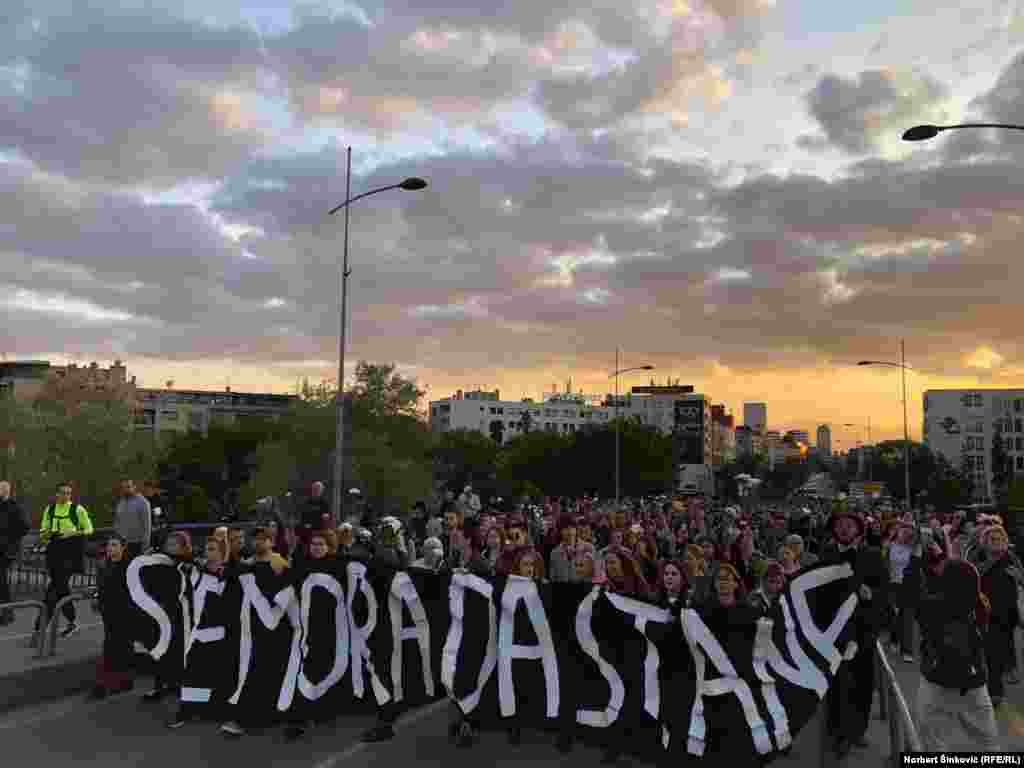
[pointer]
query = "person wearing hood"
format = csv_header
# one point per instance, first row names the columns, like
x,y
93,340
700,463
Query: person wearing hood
x,y
952,691
850,698
999,582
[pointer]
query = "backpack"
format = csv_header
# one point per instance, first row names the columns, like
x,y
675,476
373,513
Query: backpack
x,y
72,513
956,659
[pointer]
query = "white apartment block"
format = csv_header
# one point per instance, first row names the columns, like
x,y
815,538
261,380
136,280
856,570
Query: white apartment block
x,y
485,412
961,424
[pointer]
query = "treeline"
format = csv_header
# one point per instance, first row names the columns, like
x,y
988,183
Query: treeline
x,y
395,458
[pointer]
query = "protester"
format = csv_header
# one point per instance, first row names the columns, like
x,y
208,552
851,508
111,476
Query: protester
x,y
13,527
765,596
1000,587
433,556
952,691
850,697
114,670
63,529
905,586
133,519
167,680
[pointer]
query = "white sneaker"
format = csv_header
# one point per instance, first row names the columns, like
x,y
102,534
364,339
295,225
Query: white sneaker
x,y
232,729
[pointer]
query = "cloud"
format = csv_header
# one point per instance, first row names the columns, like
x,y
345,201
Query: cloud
x,y
856,113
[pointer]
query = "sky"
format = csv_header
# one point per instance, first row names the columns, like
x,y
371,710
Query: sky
x,y
716,187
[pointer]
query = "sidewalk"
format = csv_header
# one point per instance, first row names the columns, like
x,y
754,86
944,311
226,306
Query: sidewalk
x,y
26,680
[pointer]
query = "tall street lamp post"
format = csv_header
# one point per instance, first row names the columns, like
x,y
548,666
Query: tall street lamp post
x,y
410,184
615,375
902,365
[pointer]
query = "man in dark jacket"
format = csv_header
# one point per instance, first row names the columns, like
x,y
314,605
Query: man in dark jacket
x,y
952,692
13,527
850,697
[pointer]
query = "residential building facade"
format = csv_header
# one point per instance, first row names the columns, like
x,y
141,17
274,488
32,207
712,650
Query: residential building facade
x,y
170,411
961,424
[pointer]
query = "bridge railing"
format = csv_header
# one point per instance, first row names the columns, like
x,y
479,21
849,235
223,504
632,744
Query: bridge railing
x,y
892,706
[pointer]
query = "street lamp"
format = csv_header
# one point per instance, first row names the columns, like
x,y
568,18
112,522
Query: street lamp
x,y
615,375
925,132
411,184
902,365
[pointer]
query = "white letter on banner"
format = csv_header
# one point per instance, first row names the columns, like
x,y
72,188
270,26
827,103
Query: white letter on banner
x,y
699,638
766,653
404,591
449,656
147,604
520,589
823,642
203,585
585,637
285,604
313,691
642,613
358,636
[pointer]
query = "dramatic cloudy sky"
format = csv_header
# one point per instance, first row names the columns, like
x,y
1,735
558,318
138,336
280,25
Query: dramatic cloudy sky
x,y
716,186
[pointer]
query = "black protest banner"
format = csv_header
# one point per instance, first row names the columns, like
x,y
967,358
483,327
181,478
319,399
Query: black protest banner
x,y
314,641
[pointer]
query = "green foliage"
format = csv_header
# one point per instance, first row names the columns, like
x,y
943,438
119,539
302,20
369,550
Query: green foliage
x,y
464,456
91,445
1002,469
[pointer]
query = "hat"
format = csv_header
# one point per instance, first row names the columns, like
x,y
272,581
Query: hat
x,y
773,568
432,542
851,515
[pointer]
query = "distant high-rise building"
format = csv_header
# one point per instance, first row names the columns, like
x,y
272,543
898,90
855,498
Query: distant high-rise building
x,y
824,443
755,416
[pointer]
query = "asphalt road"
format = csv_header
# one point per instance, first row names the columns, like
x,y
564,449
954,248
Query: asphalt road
x,y
126,731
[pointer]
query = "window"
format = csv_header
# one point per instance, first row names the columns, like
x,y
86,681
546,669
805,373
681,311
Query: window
x,y
1009,444
1020,463
168,415
977,427
1018,425
979,463
1020,443
969,463
1018,404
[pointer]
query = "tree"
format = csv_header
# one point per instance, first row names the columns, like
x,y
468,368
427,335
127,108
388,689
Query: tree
x,y
384,392
525,422
464,456
1002,469
536,461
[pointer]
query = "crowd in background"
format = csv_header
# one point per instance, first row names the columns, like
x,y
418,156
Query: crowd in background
x,y
727,562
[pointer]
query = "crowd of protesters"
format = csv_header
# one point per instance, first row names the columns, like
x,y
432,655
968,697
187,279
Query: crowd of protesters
x,y
951,580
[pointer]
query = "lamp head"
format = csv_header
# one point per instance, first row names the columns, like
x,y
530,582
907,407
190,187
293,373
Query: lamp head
x,y
647,368
412,184
921,133
865,362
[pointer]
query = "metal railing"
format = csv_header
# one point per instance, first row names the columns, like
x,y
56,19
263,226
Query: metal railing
x,y
54,620
38,634
903,735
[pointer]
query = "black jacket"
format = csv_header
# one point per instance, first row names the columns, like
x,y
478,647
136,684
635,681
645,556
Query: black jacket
x,y
114,598
313,512
13,526
871,570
